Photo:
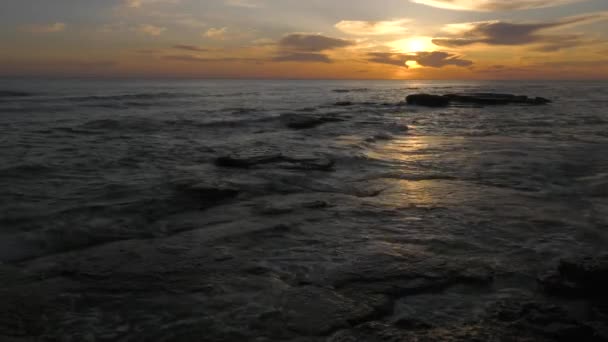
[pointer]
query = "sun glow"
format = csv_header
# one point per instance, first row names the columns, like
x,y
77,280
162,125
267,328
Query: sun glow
x,y
413,45
412,64
416,45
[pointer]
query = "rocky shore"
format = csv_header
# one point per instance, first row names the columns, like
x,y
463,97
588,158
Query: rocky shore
x,y
305,212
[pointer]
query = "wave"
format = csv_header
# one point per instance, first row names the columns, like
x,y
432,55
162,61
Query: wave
x,y
234,94
137,96
353,90
148,125
25,170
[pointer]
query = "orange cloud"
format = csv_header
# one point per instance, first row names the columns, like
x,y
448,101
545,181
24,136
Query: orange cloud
x,y
493,5
216,33
434,59
151,30
506,33
362,28
51,28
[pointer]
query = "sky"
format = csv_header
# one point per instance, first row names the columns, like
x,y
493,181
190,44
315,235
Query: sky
x,y
308,39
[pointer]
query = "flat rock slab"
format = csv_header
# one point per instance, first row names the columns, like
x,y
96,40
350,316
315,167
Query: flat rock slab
x,y
430,100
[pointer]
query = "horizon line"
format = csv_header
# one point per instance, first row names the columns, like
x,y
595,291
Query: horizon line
x,y
182,78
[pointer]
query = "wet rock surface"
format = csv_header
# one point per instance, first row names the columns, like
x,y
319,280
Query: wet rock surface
x,y
579,277
496,99
319,163
306,122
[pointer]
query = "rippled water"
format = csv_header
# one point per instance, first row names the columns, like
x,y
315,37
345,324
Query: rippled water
x,y
90,168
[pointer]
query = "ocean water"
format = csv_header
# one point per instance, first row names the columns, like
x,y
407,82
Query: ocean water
x,y
115,188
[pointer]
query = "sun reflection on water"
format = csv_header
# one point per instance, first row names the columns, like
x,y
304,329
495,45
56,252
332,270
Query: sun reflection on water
x,y
417,176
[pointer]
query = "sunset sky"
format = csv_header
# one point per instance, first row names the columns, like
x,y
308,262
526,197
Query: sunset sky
x,y
358,39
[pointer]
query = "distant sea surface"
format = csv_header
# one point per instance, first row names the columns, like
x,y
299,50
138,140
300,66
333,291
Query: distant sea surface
x,y
324,174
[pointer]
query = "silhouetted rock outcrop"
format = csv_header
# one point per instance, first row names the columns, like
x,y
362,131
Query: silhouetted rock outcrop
x,y
429,100
495,99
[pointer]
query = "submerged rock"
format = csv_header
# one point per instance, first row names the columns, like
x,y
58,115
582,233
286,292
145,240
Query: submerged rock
x,y
313,163
13,93
304,121
209,192
343,103
427,100
247,162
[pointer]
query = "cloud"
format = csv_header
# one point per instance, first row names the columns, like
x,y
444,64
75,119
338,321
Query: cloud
x,y
312,42
133,3
433,59
362,28
216,33
493,5
147,51
505,33
389,58
302,57
151,30
197,59
92,64
141,3
303,47
189,48
51,28
242,3
438,59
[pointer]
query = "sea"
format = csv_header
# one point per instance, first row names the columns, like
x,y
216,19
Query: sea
x,y
263,210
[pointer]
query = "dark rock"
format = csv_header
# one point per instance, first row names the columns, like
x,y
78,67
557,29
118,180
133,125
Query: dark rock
x,y
411,324
312,163
540,321
315,205
309,164
354,90
304,121
427,100
246,162
13,93
482,98
473,98
495,99
343,103
271,209
208,192
582,277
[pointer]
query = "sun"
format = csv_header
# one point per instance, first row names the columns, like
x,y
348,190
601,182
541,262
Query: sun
x,y
416,45
413,44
